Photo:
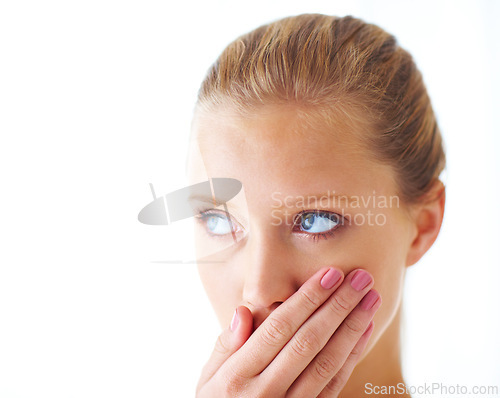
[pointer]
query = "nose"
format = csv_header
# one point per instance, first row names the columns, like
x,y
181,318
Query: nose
x,y
268,276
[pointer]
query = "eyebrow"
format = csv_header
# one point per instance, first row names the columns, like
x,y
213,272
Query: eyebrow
x,y
287,200
197,200
213,200
331,198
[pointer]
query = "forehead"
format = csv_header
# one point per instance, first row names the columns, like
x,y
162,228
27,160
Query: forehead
x,y
282,148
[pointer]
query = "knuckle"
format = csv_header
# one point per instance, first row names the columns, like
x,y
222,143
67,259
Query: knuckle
x,y
276,331
356,352
234,384
305,344
231,389
339,304
325,367
334,386
263,389
353,326
312,299
222,345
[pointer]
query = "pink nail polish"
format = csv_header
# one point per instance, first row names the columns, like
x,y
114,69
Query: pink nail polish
x,y
360,280
330,279
235,321
371,300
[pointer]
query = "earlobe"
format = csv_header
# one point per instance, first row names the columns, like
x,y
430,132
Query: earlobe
x,y
428,220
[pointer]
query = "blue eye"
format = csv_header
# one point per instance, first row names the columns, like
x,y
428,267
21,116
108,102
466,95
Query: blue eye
x,y
218,224
317,223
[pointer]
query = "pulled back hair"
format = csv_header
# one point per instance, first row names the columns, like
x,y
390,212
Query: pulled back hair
x,y
337,64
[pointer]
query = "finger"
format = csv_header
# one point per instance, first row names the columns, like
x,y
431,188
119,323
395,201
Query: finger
x,y
335,386
332,358
315,333
228,342
279,327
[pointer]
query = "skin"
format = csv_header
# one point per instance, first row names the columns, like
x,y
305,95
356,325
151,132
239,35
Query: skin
x,y
276,153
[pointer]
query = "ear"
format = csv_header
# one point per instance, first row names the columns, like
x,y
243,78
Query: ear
x,y
428,218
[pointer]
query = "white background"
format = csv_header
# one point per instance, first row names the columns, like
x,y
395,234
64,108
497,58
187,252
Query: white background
x,y
95,103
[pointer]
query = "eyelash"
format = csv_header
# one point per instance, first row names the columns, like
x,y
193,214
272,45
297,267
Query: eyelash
x,y
319,235
203,214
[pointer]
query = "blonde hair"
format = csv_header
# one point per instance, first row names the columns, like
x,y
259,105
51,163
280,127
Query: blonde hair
x,y
331,64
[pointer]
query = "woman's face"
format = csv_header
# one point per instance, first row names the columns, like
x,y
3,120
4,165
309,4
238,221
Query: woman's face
x,y
283,163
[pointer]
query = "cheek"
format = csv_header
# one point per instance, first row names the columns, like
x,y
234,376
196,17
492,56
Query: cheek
x,y
222,289
389,282
384,259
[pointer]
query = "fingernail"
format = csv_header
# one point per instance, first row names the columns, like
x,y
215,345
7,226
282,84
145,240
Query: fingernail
x,y
331,278
235,321
371,299
360,280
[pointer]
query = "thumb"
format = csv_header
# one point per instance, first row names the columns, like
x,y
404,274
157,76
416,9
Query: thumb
x,y
228,342
240,328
